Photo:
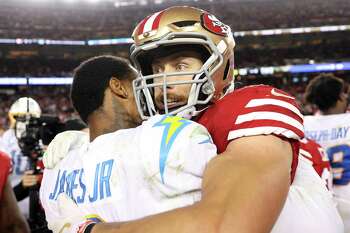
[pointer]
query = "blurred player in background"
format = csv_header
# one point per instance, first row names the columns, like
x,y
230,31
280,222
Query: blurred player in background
x,y
11,219
330,128
22,177
185,57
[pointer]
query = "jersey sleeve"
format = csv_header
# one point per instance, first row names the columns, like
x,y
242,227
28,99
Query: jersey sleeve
x,y
266,110
253,111
178,155
312,151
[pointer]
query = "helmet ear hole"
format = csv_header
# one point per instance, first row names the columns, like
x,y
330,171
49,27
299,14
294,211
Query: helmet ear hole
x,y
207,88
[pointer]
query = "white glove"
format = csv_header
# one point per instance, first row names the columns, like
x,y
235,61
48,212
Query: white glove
x,y
72,218
61,145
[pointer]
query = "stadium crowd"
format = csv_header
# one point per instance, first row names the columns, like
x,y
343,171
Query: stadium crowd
x,y
319,51
54,100
61,21
37,67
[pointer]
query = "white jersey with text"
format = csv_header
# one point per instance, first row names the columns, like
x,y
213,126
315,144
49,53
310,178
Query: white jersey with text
x,y
332,132
20,164
132,173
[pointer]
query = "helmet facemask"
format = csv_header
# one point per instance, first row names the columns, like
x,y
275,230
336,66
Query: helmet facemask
x,y
202,86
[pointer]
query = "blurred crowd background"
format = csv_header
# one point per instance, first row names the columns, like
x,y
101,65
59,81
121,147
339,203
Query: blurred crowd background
x,y
107,19
56,20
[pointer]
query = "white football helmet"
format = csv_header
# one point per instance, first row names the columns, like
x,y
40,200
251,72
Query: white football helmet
x,y
23,106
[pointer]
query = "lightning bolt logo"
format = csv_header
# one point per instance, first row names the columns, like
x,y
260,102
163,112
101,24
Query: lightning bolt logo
x,y
172,127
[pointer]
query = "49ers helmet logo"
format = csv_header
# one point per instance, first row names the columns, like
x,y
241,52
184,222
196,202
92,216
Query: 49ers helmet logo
x,y
212,24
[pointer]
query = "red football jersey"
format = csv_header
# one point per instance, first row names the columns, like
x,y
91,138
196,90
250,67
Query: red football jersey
x,y
315,153
255,110
5,167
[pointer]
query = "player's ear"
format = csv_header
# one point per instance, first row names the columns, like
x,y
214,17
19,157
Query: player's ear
x,y
342,96
118,88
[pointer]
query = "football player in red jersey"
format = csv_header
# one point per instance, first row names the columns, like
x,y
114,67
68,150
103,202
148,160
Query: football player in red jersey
x,y
312,151
11,220
185,59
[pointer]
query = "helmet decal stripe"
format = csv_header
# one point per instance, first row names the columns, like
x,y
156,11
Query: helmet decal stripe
x,y
142,25
150,21
156,21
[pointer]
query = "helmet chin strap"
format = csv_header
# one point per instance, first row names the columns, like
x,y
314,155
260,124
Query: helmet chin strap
x,y
191,112
188,113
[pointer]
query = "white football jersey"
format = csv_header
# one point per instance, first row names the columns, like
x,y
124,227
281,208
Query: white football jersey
x,y
332,132
133,173
20,164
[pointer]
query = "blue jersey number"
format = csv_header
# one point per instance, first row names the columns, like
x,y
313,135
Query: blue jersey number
x,y
339,157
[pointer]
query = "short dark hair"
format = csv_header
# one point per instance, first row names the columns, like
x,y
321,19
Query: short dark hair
x,y
324,91
91,79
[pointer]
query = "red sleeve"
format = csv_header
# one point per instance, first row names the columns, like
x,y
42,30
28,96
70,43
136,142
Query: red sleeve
x,y
5,168
255,110
314,152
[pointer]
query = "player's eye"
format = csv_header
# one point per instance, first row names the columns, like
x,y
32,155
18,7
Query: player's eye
x,y
182,67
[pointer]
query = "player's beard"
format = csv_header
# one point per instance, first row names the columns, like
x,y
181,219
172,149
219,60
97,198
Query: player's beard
x,y
175,101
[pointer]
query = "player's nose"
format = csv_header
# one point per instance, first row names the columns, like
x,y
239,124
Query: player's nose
x,y
168,88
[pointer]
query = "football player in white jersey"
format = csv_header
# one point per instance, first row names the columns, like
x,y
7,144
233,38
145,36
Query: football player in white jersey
x,y
330,128
256,130
116,172
21,177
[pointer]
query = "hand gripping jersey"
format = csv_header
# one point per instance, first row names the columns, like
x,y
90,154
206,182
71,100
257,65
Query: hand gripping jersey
x,y
319,159
333,134
255,110
5,169
133,173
